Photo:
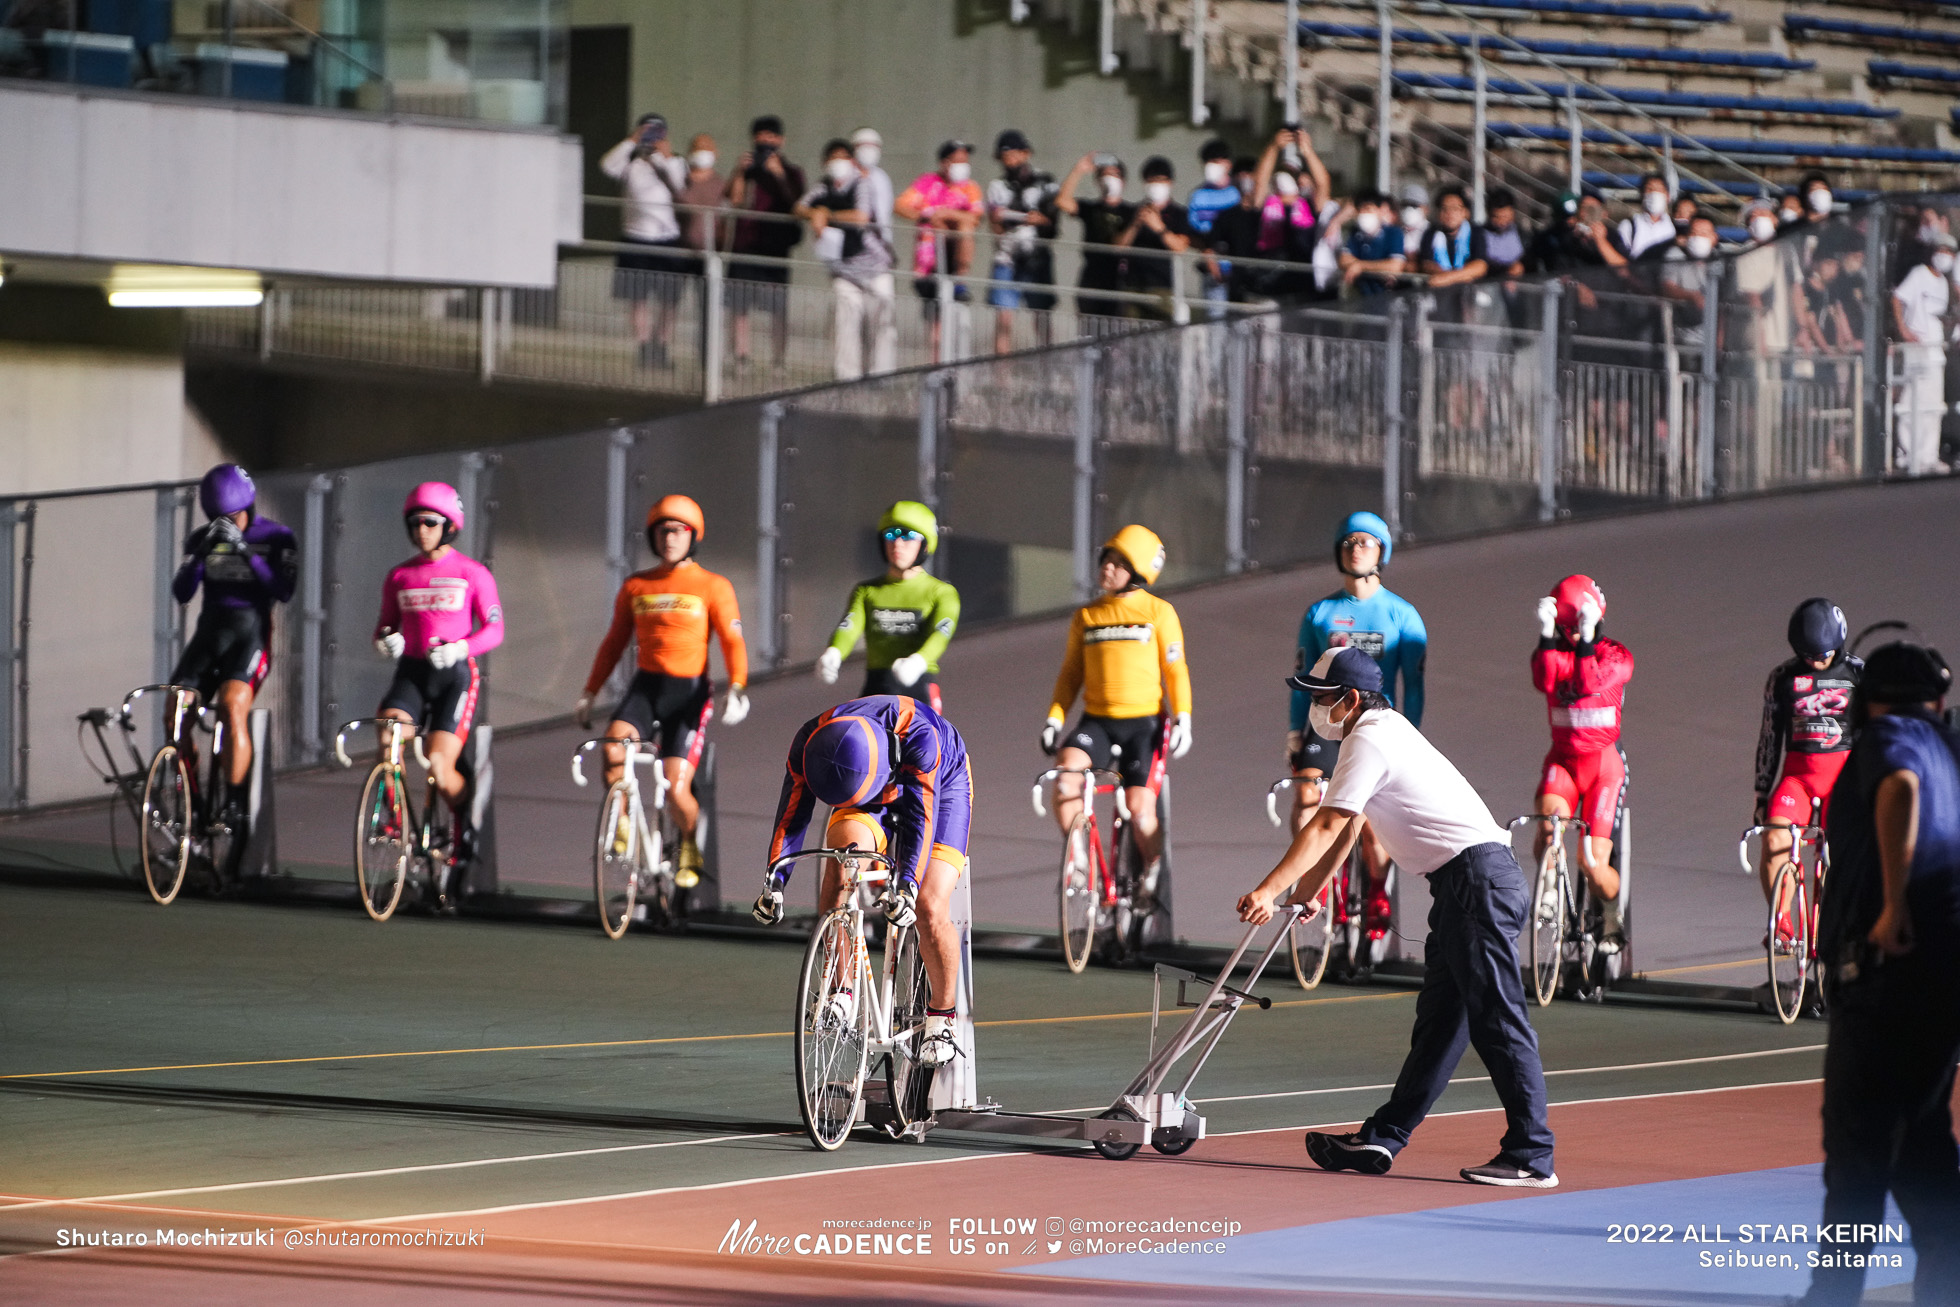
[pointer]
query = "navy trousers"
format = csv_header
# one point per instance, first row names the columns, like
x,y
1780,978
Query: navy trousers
x,y
1473,994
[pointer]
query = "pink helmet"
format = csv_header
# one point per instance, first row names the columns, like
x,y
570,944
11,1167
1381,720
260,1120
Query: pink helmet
x,y
436,497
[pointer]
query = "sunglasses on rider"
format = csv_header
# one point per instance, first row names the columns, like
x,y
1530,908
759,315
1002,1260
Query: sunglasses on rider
x,y
1359,541
421,520
902,533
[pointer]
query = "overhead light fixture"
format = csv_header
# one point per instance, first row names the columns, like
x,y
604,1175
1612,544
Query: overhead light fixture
x,y
140,286
185,299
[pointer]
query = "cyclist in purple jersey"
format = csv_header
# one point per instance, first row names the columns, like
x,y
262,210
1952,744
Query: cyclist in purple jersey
x,y
245,563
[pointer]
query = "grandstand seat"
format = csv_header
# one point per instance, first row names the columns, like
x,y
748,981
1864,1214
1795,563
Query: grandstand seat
x,y
1576,54
1922,77
1594,13
1672,104
1629,183
1877,36
1794,153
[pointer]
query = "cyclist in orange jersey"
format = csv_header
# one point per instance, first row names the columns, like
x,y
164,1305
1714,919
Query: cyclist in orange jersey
x,y
669,611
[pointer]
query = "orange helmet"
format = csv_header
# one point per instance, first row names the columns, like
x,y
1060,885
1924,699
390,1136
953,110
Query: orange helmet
x,y
678,508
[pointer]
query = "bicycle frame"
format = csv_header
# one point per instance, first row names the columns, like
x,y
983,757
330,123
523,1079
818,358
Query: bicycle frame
x,y
1093,783
393,730
639,753
861,867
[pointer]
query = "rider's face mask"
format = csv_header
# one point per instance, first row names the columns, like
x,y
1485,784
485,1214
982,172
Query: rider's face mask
x,y
1321,717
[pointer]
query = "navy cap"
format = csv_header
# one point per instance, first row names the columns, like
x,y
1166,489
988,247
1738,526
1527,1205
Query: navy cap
x,y
1346,668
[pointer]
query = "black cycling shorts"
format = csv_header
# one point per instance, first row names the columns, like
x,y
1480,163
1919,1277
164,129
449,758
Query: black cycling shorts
x,y
679,705
228,645
1137,737
1317,752
436,700
880,680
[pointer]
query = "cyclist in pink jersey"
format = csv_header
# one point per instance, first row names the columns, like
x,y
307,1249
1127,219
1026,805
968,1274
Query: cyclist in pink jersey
x,y
439,613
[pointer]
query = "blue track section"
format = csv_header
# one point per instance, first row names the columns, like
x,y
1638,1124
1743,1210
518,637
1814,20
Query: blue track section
x,y
1548,1247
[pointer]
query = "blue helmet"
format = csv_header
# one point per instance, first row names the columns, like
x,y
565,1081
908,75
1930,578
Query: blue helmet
x,y
847,761
1817,629
1366,524
225,489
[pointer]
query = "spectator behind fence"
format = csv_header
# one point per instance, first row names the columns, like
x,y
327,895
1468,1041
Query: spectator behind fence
x,y
1159,231
1021,207
947,205
705,191
1919,308
1103,219
1915,245
1503,238
1235,231
1213,196
1684,280
1414,216
1373,256
1649,232
1685,211
1288,189
764,182
1789,209
856,246
651,177
1453,251
1850,288
1582,247
1822,328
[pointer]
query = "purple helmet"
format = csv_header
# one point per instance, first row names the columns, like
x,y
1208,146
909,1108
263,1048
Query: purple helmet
x,y
225,489
847,761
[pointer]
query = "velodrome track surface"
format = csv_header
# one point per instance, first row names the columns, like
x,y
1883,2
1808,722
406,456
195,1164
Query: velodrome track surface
x,y
604,1112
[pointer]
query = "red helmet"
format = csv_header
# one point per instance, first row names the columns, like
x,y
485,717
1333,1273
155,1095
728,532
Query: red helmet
x,y
1570,593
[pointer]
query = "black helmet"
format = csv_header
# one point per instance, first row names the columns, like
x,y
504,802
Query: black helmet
x,y
1817,629
1901,673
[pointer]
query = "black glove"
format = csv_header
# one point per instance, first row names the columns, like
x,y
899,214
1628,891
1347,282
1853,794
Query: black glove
x,y
1762,812
769,907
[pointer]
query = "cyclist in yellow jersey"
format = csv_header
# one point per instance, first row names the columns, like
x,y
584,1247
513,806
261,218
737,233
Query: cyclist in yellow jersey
x,y
1126,656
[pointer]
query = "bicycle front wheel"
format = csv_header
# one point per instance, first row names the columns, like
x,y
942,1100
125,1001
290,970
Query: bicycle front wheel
x,y
1789,943
1078,894
831,1053
381,842
1548,924
908,1081
615,861
166,824
1310,942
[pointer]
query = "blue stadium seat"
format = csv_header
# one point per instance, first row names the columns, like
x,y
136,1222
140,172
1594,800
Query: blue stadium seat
x,y
1678,104
1591,12
1579,54
1890,72
1876,35
1787,152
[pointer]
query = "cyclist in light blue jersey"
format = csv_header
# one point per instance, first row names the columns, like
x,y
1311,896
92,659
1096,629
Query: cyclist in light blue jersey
x,y
1365,615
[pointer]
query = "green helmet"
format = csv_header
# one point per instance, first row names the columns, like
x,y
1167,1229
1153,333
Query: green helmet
x,y
913,516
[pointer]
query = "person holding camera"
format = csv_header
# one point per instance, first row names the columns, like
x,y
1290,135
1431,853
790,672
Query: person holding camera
x,y
1888,939
764,182
652,177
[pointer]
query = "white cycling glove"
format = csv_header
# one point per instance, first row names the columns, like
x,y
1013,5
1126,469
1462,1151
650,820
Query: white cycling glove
x,y
827,664
1180,737
734,706
901,909
390,645
909,669
1547,617
1051,735
582,712
445,656
768,907
1589,616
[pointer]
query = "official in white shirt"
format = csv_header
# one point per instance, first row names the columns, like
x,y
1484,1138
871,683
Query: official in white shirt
x,y
1434,825
1919,308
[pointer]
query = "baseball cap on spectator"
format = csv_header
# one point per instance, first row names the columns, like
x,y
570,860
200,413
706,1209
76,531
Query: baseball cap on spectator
x,y
768,122
1346,668
1157,166
1011,139
1567,204
867,136
1415,193
1942,241
1904,673
947,149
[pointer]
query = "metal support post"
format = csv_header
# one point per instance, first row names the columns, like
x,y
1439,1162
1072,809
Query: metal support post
x,y
1878,387
768,536
1106,39
1711,322
1675,473
486,334
1200,113
932,419
619,561
11,790
1549,414
23,626
167,631
1289,46
313,618
1575,141
1237,367
1082,536
1392,419
473,488
1385,100
1478,164
712,328
265,324
1180,290
1668,169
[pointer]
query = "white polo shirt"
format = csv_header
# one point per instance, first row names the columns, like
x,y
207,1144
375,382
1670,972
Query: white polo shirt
x,y
1417,801
1922,297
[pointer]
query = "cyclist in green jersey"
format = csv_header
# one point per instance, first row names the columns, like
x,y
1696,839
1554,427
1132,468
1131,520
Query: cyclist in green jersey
x,y
906,616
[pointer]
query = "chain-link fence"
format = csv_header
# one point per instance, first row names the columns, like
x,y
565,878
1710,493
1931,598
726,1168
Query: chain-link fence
x,y
1241,442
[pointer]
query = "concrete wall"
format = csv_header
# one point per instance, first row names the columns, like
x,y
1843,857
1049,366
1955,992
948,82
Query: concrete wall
x,y
129,177
73,416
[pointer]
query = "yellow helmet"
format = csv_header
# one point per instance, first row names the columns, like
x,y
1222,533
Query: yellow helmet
x,y
1141,549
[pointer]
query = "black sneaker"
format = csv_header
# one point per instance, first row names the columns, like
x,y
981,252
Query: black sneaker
x,y
1348,1153
1503,1171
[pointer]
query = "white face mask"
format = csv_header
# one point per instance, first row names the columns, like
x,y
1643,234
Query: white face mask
x,y
1158,193
1762,227
702,159
868,155
1370,223
840,171
1943,260
1217,174
1286,185
1321,718
1926,233
1412,216
1700,247
1820,200
959,173
1654,203
1112,186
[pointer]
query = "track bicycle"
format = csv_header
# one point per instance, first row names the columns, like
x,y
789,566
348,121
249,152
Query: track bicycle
x,y
182,817
632,859
124,778
1099,899
1564,952
847,1019
395,848
1795,893
1335,925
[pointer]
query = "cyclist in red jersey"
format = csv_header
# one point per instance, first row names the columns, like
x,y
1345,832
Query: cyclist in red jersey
x,y
1583,676
1806,733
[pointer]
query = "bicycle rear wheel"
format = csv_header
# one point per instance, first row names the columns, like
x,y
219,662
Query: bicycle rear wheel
x,y
1310,942
381,842
166,824
615,861
831,1052
1789,953
907,1080
1078,894
1548,912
